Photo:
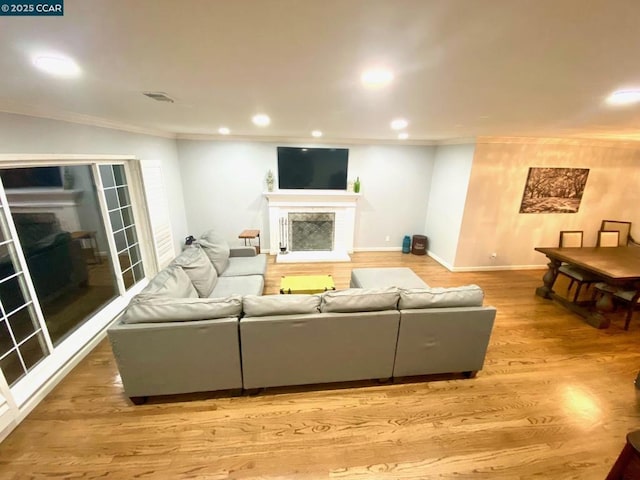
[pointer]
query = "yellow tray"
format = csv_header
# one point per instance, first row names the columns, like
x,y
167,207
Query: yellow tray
x,y
307,284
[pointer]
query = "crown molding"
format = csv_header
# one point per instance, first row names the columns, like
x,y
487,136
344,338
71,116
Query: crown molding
x,y
569,141
457,141
303,140
630,140
81,119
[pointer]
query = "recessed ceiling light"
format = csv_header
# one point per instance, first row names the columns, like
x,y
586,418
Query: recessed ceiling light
x,y
261,120
624,97
403,135
316,133
376,77
224,131
57,65
399,124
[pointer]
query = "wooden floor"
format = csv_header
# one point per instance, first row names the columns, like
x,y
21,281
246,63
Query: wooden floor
x,y
554,401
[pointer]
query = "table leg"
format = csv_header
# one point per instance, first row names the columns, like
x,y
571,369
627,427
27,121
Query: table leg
x,y
595,319
549,278
605,301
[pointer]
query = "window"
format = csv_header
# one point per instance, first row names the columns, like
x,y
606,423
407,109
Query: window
x,y
71,258
116,192
22,341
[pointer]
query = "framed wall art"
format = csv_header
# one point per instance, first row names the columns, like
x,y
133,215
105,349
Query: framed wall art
x,y
554,190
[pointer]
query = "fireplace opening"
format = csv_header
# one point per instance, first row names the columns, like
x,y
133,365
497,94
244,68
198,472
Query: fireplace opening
x,y
311,231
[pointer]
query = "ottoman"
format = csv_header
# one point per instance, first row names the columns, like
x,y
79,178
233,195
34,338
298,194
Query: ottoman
x,y
385,277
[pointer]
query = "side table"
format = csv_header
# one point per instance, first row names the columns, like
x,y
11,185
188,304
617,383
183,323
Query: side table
x,y
93,243
248,235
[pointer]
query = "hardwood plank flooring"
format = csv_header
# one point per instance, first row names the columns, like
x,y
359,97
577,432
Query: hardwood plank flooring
x,y
554,400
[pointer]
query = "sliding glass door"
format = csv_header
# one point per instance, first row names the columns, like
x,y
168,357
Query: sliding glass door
x,y
69,246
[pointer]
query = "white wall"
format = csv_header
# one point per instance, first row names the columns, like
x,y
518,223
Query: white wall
x,y
450,180
492,219
24,134
223,185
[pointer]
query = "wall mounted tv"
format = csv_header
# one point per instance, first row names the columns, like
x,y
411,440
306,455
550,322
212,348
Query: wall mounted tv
x,y
312,168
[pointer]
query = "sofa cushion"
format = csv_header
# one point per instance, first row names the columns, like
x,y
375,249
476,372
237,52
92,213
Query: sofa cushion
x,y
259,306
216,248
153,308
246,285
465,296
199,269
401,277
172,282
360,300
240,266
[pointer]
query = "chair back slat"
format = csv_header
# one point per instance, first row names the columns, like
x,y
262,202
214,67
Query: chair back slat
x,y
570,238
608,238
623,227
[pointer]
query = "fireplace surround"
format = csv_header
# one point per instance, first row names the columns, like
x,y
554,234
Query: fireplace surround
x,y
339,204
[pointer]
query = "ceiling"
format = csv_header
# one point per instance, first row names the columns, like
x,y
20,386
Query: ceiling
x,y
463,68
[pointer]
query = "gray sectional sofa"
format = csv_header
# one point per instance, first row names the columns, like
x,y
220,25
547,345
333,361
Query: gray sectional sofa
x,y
176,338
180,334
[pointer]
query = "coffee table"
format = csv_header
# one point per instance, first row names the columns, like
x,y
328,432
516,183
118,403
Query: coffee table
x,y
306,284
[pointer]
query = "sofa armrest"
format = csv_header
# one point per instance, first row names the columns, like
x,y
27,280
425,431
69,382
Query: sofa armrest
x,y
247,251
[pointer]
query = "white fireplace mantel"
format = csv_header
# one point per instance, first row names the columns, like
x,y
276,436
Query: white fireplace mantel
x,y
311,196
63,203
341,203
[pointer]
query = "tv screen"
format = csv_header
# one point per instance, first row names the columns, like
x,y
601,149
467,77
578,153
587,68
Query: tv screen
x,y
31,177
312,168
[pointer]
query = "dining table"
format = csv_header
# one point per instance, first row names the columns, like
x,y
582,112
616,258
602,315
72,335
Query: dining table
x,y
616,266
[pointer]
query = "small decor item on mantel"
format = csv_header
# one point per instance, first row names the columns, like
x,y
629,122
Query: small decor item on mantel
x,y
270,181
356,185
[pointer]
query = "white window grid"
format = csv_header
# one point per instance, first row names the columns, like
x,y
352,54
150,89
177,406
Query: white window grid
x,y
135,267
4,317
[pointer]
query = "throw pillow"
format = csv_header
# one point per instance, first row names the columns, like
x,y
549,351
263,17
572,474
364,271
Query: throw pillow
x,y
465,296
261,306
172,281
199,269
360,300
217,249
153,308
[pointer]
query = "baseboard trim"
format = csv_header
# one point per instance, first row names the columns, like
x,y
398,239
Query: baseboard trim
x,y
484,268
446,265
451,268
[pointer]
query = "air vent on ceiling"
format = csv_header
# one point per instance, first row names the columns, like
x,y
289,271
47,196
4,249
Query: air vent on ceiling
x,y
159,96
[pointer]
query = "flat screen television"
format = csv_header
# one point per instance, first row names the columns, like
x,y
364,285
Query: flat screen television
x,y
312,168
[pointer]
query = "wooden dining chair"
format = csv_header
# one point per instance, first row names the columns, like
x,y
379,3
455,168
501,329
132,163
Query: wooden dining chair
x,y
629,298
623,227
608,238
614,233
573,239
